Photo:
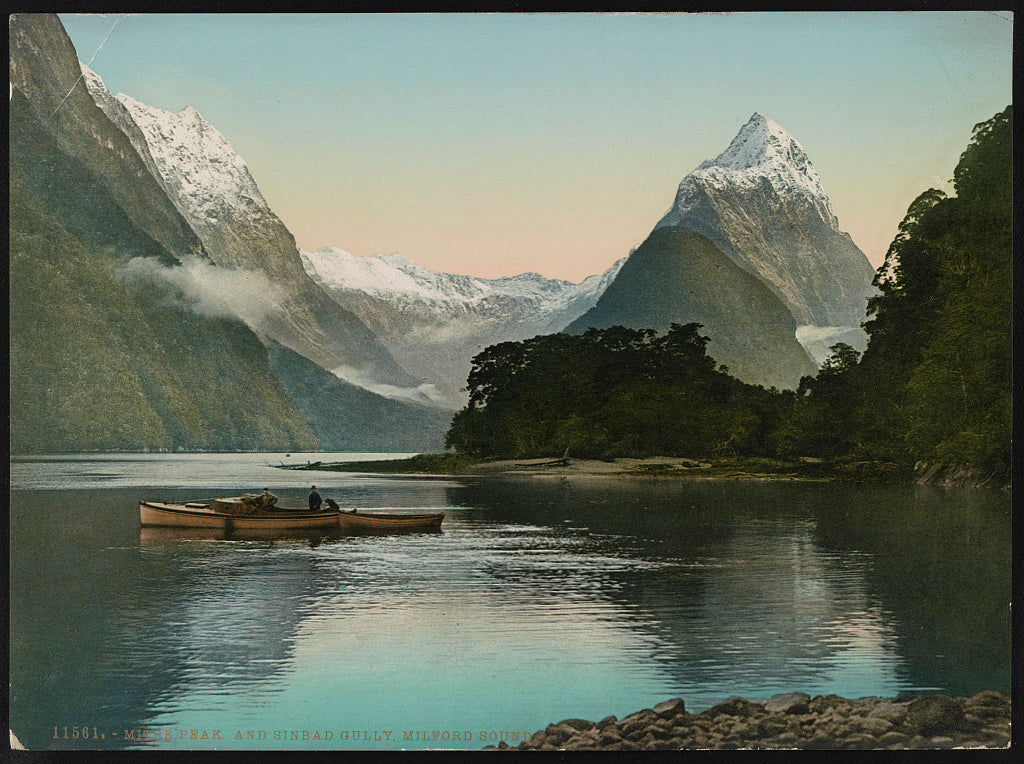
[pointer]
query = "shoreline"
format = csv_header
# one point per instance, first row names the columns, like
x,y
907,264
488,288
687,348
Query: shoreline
x,y
806,469
655,467
649,468
666,468
791,721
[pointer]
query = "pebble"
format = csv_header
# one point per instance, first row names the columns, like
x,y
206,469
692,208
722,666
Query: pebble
x,y
794,720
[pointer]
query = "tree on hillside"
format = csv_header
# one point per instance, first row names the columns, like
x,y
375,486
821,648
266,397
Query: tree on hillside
x,y
820,423
936,372
606,393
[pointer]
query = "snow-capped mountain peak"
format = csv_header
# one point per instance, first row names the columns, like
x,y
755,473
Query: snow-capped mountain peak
x,y
196,160
762,151
93,82
760,141
192,161
762,203
397,259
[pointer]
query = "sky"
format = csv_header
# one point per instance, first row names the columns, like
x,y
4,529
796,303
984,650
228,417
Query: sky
x,y
496,144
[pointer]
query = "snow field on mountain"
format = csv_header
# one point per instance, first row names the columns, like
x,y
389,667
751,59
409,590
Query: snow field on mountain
x,y
761,151
397,279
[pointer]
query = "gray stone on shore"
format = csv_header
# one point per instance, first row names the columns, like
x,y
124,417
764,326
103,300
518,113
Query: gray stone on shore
x,y
556,734
823,703
768,728
735,706
578,724
987,704
790,703
934,714
894,738
892,711
670,708
869,725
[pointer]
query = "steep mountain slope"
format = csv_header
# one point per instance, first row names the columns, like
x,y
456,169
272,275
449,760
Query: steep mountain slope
x,y
102,359
213,190
762,203
434,323
350,418
51,84
678,276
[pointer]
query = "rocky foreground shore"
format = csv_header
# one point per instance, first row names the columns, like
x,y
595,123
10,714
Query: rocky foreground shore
x,y
791,721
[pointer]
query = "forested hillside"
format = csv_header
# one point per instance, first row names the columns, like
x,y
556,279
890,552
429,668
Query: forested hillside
x,y
608,393
932,386
935,381
102,361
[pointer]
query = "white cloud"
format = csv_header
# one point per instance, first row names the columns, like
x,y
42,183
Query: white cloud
x,y
425,393
207,289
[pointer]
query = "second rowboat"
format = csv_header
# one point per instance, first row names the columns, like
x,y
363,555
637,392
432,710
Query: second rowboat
x,y
363,520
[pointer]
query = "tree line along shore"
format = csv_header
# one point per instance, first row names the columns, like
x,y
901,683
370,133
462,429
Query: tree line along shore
x,y
932,388
671,468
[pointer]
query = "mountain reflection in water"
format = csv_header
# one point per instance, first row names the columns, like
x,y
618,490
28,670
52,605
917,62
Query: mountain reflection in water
x,y
540,600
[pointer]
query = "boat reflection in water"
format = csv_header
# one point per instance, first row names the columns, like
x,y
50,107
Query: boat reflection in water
x,y
158,535
151,535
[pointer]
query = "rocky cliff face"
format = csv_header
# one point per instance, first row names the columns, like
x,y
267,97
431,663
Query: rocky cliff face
x,y
679,276
434,323
44,69
762,203
102,359
210,185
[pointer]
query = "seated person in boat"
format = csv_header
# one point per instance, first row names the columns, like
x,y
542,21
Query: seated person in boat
x,y
332,505
314,500
267,500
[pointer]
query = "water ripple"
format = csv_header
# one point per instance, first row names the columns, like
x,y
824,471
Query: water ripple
x,y
534,603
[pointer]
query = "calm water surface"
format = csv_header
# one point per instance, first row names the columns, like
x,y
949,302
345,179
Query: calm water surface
x,y
539,600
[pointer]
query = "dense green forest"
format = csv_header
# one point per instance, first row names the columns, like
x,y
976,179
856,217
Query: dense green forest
x,y
934,383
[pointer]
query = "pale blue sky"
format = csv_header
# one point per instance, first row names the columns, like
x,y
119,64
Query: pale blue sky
x,y
493,144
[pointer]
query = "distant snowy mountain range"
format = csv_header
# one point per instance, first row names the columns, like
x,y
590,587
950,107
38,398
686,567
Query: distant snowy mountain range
x,y
397,329
203,326
434,323
430,324
406,284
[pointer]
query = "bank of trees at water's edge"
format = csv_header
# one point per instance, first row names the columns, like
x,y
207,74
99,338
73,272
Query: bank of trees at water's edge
x,y
934,383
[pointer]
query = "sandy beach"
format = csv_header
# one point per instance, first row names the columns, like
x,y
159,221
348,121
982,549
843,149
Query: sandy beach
x,y
658,467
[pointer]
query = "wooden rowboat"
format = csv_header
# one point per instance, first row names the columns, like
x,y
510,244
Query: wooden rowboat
x,y
227,515
376,522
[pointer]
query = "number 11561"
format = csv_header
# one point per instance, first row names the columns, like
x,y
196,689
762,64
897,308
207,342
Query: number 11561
x,y
75,732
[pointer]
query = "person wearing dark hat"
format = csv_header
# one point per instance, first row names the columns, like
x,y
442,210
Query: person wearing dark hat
x,y
267,500
314,500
